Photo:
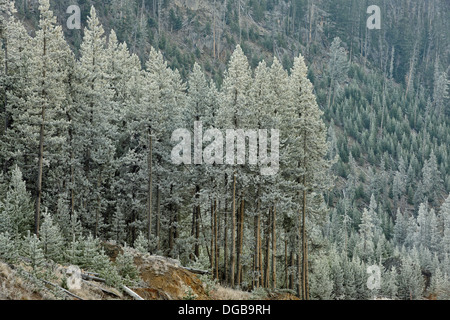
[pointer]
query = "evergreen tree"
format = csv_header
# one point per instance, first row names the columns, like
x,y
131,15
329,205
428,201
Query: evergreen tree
x,y
126,267
312,149
42,121
93,128
337,68
410,279
52,241
366,245
141,244
389,284
321,283
8,248
31,249
16,210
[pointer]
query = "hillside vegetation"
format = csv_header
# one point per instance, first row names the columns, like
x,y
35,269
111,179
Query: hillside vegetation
x,y
88,117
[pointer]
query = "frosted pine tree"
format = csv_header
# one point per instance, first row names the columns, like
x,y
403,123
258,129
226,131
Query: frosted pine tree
x,y
321,282
365,247
43,121
200,113
438,282
337,275
141,244
412,233
440,94
15,76
410,280
91,248
432,181
337,69
400,229
128,181
62,217
8,248
160,114
423,221
31,249
312,149
94,131
445,215
126,267
16,210
118,227
234,107
52,241
389,284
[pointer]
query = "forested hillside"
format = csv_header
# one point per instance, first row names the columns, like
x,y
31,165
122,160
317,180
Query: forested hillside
x,y
92,119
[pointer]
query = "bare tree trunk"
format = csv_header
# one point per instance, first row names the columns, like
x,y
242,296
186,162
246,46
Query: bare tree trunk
x,y
216,248
233,233
286,265
241,244
196,226
225,242
304,245
267,255
291,275
214,31
150,186
239,19
159,18
213,255
158,218
261,270
257,243
99,203
5,97
274,247
37,214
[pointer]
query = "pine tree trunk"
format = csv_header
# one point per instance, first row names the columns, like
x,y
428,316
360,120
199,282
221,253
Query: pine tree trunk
x,y
5,98
97,212
216,249
212,257
194,209
256,269
267,255
150,186
41,147
158,218
274,248
286,265
171,226
240,241
214,30
304,245
233,234
196,225
291,275
225,243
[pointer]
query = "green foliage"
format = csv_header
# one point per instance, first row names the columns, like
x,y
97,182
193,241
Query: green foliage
x,y
31,249
126,267
8,248
52,241
16,210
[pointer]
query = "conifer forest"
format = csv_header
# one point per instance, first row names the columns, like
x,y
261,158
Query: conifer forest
x,y
295,146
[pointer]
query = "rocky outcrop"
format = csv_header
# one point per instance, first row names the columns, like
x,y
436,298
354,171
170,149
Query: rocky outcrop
x,y
167,280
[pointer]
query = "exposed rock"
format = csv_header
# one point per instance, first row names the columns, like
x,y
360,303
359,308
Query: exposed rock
x,y
167,279
112,250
